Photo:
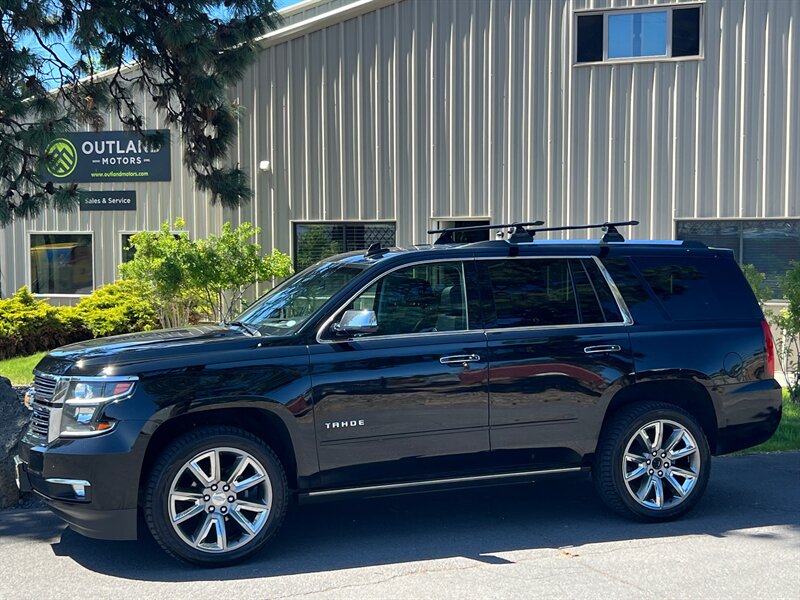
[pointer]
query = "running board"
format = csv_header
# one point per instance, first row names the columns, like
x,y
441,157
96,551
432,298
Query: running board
x,y
438,482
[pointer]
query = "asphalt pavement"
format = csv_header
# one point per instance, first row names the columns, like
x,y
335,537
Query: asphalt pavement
x,y
549,539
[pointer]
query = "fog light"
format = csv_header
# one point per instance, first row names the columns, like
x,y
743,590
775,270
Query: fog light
x,y
78,486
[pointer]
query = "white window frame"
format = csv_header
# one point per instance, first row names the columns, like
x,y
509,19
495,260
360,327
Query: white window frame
x,y
668,8
28,266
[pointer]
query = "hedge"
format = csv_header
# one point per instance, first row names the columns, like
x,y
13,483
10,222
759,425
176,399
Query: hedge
x,y
29,325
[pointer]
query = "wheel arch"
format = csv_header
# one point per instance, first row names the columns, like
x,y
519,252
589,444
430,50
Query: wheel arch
x,y
264,424
688,394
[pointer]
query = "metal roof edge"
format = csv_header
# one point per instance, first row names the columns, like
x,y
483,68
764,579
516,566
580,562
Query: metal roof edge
x,y
337,15
283,34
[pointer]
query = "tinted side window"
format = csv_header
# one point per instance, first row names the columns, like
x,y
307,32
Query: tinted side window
x,y
532,293
418,299
698,288
594,296
640,303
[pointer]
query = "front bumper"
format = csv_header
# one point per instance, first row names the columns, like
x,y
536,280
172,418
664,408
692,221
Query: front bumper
x,y
91,483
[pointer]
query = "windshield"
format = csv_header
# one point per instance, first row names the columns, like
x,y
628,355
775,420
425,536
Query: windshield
x,y
283,310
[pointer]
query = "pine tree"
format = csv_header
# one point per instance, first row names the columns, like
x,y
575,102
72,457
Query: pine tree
x,y
184,54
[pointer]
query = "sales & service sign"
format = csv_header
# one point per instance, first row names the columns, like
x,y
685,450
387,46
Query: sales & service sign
x,y
107,156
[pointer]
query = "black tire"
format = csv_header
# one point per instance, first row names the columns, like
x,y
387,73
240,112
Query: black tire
x,y
171,468
610,466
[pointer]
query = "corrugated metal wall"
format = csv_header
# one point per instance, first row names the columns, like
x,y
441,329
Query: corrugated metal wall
x,y
459,108
424,109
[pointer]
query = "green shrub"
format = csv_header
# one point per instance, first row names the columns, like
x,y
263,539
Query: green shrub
x,y
117,308
28,325
209,277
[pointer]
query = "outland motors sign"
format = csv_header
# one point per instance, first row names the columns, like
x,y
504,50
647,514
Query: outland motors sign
x,y
106,157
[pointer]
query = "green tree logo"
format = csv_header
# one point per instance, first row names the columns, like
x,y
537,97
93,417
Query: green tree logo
x,y
62,157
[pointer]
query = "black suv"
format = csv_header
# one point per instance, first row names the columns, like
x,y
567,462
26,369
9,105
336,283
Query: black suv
x,y
411,369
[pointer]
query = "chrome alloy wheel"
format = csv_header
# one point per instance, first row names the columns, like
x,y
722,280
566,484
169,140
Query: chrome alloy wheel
x,y
220,500
661,464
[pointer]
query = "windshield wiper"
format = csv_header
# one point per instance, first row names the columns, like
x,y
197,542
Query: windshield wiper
x,y
246,326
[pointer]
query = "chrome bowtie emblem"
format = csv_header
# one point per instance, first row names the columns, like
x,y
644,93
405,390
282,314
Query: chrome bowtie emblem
x,y
29,397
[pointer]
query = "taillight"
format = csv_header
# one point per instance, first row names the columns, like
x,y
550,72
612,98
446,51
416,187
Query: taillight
x,y
769,347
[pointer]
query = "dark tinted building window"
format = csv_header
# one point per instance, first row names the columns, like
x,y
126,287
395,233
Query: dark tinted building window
x,y
699,288
128,251
532,293
315,241
768,244
61,263
590,38
686,31
638,34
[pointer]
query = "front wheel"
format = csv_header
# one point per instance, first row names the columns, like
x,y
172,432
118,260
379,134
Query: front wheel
x,y
652,462
215,496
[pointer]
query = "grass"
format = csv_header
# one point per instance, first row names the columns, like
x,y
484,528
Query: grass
x,y
20,370
787,437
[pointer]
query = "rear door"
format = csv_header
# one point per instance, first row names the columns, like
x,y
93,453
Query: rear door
x,y
558,349
410,400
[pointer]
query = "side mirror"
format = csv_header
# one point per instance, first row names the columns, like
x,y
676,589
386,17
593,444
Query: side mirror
x,y
356,322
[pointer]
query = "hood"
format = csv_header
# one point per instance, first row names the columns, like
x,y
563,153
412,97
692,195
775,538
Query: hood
x,y
133,353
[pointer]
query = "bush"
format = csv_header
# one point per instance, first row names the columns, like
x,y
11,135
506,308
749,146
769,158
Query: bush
x,y
788,321
209,276
28,325
117,308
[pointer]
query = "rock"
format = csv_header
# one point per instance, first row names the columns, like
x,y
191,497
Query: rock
x,y
14,419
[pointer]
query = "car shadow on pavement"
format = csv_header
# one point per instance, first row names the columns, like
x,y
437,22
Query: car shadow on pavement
x,y
744,492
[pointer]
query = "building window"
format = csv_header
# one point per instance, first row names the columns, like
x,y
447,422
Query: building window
x,y
315,241
466,237
669,32
61,263
768,244
637,34
128,251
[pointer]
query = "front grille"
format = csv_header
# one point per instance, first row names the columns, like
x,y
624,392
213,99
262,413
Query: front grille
x,y
44,387
40,420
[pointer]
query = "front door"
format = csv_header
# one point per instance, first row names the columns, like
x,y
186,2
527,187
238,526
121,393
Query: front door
x,y
408,400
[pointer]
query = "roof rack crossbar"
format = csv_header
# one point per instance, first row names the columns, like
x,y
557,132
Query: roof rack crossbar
x,y
520,233
611,233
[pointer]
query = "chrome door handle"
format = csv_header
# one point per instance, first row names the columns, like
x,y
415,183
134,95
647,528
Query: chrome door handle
x,y
602,349
458,359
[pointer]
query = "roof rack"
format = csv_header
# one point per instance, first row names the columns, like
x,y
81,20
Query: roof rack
x,y
517,231
520,232
611,233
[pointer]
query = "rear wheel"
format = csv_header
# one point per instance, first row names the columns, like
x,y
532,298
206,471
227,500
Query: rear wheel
x,y
215,496
652,462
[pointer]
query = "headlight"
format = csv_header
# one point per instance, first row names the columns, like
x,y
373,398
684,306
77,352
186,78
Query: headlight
x,y
84,401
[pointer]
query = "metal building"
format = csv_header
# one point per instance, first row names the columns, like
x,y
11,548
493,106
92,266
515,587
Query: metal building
x,y
379,119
